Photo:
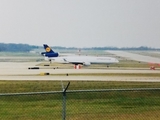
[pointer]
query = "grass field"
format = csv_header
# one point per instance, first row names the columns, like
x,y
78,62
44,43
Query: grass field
x,y
80,106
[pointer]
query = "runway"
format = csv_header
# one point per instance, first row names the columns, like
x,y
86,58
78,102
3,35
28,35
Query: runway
x,y
136,57
20,71
82,78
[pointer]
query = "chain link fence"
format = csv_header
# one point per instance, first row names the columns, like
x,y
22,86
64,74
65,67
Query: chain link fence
x,y
96,104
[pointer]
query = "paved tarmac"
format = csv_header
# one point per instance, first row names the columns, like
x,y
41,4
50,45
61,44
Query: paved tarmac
x,y
82,78
136,57
20,71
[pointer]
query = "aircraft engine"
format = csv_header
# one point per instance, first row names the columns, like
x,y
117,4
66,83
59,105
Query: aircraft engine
x,y
46,58
43,53
86,63
51,54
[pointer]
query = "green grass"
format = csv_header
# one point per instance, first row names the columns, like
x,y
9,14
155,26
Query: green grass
x,y
89,105
109,74
39,86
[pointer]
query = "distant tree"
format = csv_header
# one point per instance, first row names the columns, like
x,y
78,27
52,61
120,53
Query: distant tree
x,y
2,47
12,47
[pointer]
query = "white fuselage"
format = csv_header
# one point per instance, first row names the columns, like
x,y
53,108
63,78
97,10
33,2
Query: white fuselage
x,y
85,60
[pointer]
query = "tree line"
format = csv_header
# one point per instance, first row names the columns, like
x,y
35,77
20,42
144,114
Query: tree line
x,y
12,47
107,48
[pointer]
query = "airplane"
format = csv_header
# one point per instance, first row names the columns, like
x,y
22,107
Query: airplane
x,y
77,60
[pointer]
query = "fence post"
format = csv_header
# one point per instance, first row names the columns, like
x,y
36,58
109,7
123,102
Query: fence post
x,y
64,102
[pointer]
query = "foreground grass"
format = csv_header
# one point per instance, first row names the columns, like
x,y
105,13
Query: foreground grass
x,y
80,106
41,86
110,74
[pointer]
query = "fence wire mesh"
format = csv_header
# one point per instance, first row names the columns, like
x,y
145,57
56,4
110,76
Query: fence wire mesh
x,y
113,105
88,105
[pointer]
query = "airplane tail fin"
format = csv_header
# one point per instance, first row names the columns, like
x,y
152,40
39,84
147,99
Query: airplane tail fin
x,y
49,52
47,49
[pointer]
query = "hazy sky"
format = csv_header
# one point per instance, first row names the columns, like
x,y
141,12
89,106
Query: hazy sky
x,y
81,23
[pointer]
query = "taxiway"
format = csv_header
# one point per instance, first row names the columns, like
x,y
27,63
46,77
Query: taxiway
x,y
20,71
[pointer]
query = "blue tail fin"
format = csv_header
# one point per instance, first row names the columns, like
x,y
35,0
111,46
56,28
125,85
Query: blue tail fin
x,y
47,49
49,52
